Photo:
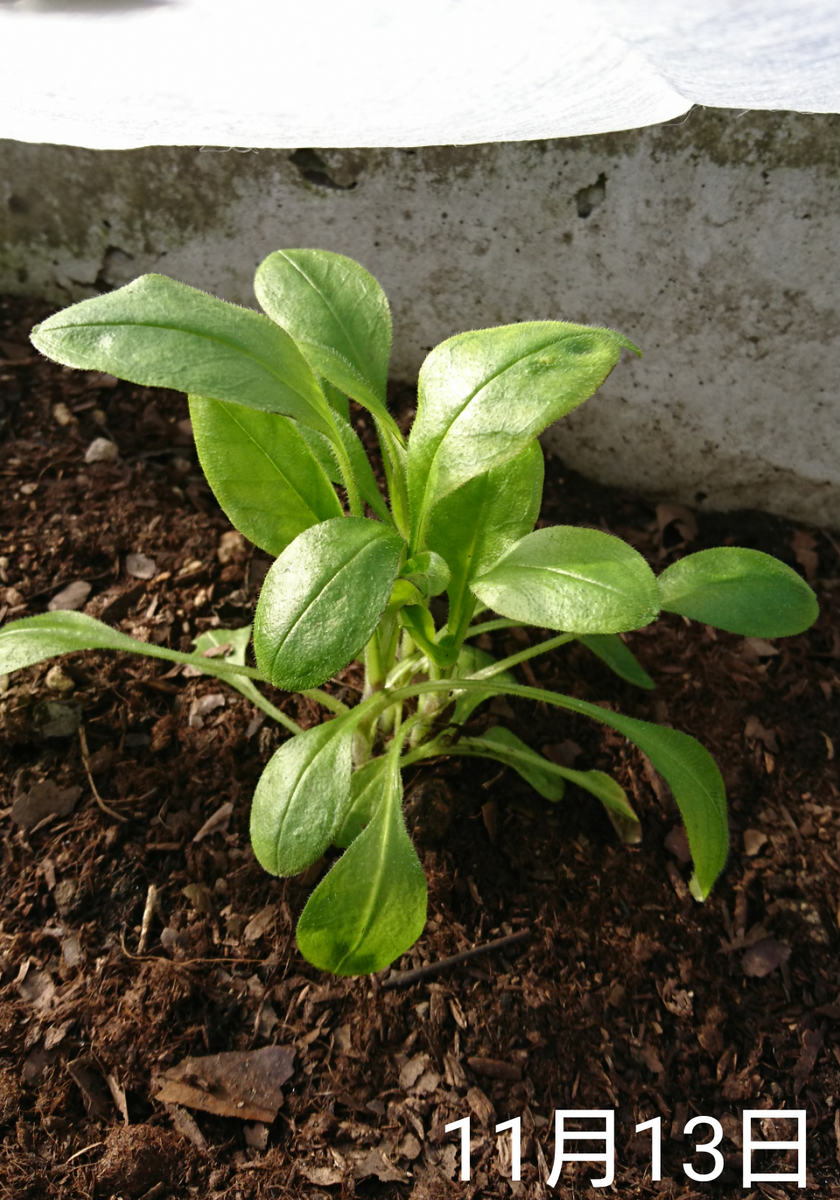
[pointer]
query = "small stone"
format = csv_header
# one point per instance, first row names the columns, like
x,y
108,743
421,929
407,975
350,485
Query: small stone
x,y
71,598
101,450
59,681
140,567
62,415
28,489
231,545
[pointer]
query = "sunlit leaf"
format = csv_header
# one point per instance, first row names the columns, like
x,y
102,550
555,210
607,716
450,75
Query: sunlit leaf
x,y
741,591
262,472
161,333
301,798
339,317
371,907
322,599
484,395
578,580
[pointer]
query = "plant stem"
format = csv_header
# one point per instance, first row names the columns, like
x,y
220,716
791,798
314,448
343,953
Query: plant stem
x,y
513,660
491,626
325,700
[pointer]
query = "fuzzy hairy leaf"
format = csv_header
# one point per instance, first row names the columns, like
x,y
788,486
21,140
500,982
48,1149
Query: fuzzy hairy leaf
x,y
371,907
262,472
483,396
474,526
301,798
339,317
741,591
323,598
577,580
359,462
161,333
366,787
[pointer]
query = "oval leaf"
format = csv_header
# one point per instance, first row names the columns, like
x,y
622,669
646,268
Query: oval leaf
x,y
322,599
482,396
366,787
262,472
371,907
161,333
741,591
578,580
339,317
301,798
479,522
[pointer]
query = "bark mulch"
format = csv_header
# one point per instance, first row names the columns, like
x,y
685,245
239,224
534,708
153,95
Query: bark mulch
x,y
134,936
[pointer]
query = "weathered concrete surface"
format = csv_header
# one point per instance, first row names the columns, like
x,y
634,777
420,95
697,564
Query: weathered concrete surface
x,y
711,243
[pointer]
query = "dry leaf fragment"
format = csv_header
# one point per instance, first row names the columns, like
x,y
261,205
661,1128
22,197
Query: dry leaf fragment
x,y
322,1176
374,1162
764,956
412,1071
754,839
755,731
261,923
218,823
186,1126
676,514
202,706
238,1083
44,799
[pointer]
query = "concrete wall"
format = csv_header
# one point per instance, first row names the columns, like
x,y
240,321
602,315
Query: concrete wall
x,y
712,243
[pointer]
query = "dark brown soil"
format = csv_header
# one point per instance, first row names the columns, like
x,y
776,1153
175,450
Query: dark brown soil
x,y
627,996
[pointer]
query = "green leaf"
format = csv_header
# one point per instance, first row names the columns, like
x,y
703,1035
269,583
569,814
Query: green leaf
x,y
741,591
359,462
338,315
323,598
619,658
161,333
371,907
262,471
505,747
366,788
578,580
301,797
428,572
474,526
483,396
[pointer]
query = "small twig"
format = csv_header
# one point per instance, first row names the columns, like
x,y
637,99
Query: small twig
x,y
86,762
148,913
406,978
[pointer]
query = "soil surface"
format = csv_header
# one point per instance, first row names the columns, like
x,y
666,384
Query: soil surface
x,y
134,935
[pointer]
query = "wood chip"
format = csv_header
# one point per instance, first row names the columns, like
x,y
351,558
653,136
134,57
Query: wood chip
x,y
239,1083
495,1068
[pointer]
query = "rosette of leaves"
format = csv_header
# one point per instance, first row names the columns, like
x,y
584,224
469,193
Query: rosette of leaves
x,y
355,571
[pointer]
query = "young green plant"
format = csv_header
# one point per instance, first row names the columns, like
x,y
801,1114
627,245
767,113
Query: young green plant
x,y
356,576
